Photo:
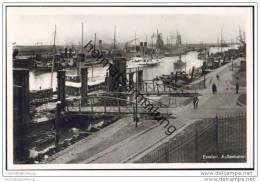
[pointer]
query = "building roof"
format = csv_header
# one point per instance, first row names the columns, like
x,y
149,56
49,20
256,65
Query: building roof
x,y
90,83
73,84
23,57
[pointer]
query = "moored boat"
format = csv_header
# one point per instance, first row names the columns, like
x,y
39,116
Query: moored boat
x,y
145,61
179,64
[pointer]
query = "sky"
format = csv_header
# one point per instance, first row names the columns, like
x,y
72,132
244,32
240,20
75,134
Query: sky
x,y
28,25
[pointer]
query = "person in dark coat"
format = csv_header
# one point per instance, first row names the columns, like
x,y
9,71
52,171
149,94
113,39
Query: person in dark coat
x,y
237,88
217,77
214,88
194,102
197,102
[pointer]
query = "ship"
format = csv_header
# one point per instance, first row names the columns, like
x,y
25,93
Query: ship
x,y
179,64
145,61
176,79
202,55
74,83
73,77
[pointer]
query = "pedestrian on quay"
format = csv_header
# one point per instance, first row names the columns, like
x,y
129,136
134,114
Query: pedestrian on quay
x,y
214,88
197,102
217,77
194,102
237,87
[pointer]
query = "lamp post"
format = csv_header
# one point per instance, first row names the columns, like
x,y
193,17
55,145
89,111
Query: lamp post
x,y
136,95
204,73
232,63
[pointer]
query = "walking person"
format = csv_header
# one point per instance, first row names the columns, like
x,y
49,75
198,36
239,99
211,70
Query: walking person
x,y
214,88
237,87
194,102
217,77
197,102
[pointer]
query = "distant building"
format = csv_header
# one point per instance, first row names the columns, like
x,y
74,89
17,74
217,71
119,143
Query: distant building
x,y
23,61
159,42
178,39
35,49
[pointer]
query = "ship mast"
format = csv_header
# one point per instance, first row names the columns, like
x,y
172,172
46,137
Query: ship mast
x,y
114,37
82,37
94,49
145,51
157,43
135,41
54,48
82,48
221,42
218,45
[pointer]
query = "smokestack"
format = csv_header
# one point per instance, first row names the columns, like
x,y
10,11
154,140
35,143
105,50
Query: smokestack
x,y
84,82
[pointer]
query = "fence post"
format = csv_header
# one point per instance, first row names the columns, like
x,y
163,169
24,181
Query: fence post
x,y
204,80
105,108
80,105
196,143
216,130
118,103
157,86
167,152
244,125
91,105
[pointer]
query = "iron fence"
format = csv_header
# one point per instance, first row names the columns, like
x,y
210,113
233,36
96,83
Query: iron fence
x,y
222,133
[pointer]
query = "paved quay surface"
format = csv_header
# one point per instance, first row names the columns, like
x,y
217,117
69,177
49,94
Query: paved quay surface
x,y
109,145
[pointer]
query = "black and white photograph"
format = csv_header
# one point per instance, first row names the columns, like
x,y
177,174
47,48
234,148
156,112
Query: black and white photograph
x,y
129,87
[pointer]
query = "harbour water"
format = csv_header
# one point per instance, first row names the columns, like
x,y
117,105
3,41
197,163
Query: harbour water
x,y
43,80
